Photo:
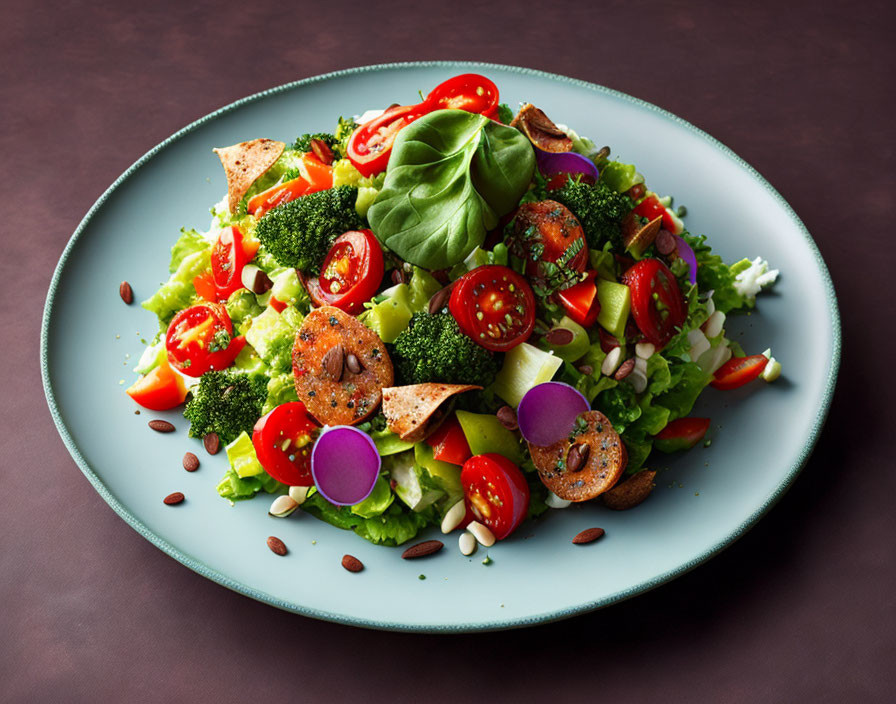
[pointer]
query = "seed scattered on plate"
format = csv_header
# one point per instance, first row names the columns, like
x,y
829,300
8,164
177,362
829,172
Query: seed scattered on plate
x,y
126,292
352,563
277,546
212,443
161,426
427,547
191,462
174,499
589,535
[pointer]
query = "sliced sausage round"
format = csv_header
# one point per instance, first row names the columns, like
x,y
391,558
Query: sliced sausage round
x,y
604,460
550,239
332,392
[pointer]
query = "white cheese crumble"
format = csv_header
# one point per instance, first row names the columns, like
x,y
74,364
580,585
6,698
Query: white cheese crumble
x,y
754,278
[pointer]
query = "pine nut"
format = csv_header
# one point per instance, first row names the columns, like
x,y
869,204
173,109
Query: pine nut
x,y
282,507
454,517
467,543
611,361
299,494
482,534
645,350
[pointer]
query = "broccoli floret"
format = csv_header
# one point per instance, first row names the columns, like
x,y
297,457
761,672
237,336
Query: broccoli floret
x,y
303,143
434,349
226,403
599,209
299,233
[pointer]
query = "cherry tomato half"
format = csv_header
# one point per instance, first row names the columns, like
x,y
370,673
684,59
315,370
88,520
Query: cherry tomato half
x,y
283,440
449,443
469,91
545,235
657,304
161,389
496,492
370,145
494,306
351,272
738,371
199,339
681,434
228,260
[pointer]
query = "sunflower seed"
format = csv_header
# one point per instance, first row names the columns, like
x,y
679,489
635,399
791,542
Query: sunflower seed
x,y
454,516
282,507
467,543
482,534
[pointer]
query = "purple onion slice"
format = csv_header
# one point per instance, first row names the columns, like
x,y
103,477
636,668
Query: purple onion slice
x,y
345,465
548,412
686,253
550,163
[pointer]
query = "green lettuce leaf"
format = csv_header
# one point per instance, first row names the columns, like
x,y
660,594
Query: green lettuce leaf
x,y
188,243
178,292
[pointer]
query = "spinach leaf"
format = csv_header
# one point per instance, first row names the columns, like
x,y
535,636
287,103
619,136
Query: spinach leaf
x,y
451,176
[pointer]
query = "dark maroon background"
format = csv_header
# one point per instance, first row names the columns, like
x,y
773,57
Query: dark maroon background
x,y
801,609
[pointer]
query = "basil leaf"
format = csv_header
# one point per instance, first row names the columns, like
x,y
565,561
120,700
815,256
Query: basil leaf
x,y
451,176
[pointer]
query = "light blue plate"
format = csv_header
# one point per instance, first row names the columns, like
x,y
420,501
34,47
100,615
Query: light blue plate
x,y
705,500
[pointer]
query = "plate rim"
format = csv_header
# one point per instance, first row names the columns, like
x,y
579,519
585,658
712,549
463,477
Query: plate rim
x,y
491,625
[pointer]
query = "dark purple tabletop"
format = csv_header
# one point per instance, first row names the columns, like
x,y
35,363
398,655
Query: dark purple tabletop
x,y
799,610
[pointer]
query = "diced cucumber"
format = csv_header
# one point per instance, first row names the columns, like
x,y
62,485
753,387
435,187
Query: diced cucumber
x,y
485,433
524,367
388,443
615,305
242,457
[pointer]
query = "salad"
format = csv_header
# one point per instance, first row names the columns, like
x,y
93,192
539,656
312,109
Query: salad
x,y
443,314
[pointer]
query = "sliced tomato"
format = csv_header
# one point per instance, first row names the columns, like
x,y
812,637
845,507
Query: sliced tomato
x,y
468,91
636,192
651,208
607,340
199,338
449,444
550,239
496,492
657,305
283,440
228,260
351,272
370,145
205,287
738,371
494,306
681,434
161,389
581,301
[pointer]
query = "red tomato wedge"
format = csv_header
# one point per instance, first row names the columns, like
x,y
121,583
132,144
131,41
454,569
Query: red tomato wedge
x,y
283,440
449,444
228,260
657,305
370,145
581,301
681,434
738,371
199,339
494,306
496,492
161,389
469,91
651,208
351,272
